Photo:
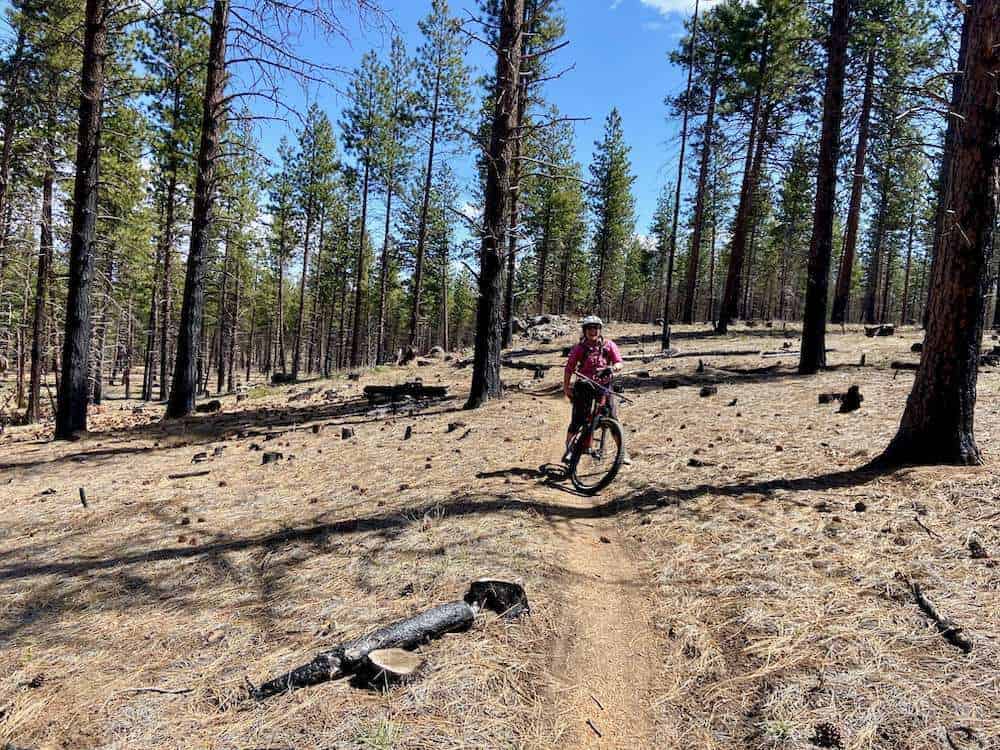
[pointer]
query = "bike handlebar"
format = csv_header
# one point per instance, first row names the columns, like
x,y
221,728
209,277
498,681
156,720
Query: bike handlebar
x,y
605,388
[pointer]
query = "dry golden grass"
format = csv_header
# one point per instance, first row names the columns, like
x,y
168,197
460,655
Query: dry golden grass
x,y
772,614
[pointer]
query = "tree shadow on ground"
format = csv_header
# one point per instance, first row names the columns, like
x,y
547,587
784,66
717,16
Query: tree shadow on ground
x,y
469,504
266,422
713,375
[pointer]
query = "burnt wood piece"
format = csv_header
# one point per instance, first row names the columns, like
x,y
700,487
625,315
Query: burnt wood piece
x,y
851,400
518,365
282,378
826,398
209,407
917,347
506,598
895,365
392,393
349,657
885,330
950,631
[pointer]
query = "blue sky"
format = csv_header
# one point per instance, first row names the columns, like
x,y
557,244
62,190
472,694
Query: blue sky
x,y
619,48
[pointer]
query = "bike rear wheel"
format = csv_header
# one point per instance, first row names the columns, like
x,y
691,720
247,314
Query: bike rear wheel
x,y
593,467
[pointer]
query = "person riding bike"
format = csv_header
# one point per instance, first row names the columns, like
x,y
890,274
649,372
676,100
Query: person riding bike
x,y
593,357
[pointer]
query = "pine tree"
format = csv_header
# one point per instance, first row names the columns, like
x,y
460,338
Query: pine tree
x,y
71,416
613,206
313,176
938,422
442,101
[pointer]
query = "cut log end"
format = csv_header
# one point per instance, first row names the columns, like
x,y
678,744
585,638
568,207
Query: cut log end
x,y
506,598
386,667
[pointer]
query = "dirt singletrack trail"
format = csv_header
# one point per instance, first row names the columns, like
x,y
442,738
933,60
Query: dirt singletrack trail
x,y
603,665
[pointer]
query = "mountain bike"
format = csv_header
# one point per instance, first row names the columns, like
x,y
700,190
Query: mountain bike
x,y
597,449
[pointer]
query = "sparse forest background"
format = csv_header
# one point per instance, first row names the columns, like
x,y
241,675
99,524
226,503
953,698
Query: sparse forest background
x,y
358,238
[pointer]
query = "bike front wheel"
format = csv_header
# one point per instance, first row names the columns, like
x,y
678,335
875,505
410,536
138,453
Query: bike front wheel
x,y
594,466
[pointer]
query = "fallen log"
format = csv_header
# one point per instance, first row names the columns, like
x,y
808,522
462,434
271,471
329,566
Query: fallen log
x,y
897,365
353,657
414,389
949,630
882,330
517,365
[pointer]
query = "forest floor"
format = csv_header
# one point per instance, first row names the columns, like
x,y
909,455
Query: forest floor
x,y
741,585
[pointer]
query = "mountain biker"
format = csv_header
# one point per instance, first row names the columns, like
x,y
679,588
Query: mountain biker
x,y
593,357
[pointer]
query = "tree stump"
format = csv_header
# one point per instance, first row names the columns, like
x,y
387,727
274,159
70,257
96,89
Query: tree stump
x,y
386,667
851,400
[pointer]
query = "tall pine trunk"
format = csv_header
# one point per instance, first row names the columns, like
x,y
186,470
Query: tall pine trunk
x,y
937,424
185,383
730,294
944,189
383,275
904,313
418,272
71,413
846,270
813,351
41,291
694,259
668,291
486,358
297,349
10,124
543,257
361,271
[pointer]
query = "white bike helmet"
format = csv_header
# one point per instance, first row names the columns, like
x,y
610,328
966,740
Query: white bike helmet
x,y
591,320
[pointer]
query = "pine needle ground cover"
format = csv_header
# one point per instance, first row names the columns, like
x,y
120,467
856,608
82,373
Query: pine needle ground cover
x,y
763,582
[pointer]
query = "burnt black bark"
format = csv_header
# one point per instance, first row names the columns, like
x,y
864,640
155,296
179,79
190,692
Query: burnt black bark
x,y
846,269
694,259
486,359
185,381
937,424
71,413
813,351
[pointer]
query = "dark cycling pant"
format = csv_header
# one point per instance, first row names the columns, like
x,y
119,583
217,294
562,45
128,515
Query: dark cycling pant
x,y
584,397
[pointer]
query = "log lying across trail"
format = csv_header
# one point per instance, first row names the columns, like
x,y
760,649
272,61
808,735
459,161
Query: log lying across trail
x,y
386,394
372,657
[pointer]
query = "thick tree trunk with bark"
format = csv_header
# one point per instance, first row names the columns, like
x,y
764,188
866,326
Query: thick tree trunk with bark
x,y
944,189
813,351
486,359
846,269
937,424
185,383
71,415
668,290
694,259
730,294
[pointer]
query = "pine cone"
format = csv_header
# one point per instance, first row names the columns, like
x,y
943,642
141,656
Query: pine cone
x,y
827,735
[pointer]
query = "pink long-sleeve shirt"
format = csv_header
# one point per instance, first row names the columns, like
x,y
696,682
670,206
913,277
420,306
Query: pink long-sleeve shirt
x,y
590,359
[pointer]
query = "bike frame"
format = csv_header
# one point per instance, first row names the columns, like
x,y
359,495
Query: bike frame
x,y
606,393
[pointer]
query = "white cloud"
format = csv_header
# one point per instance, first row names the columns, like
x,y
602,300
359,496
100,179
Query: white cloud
x,y
666,7
615,4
